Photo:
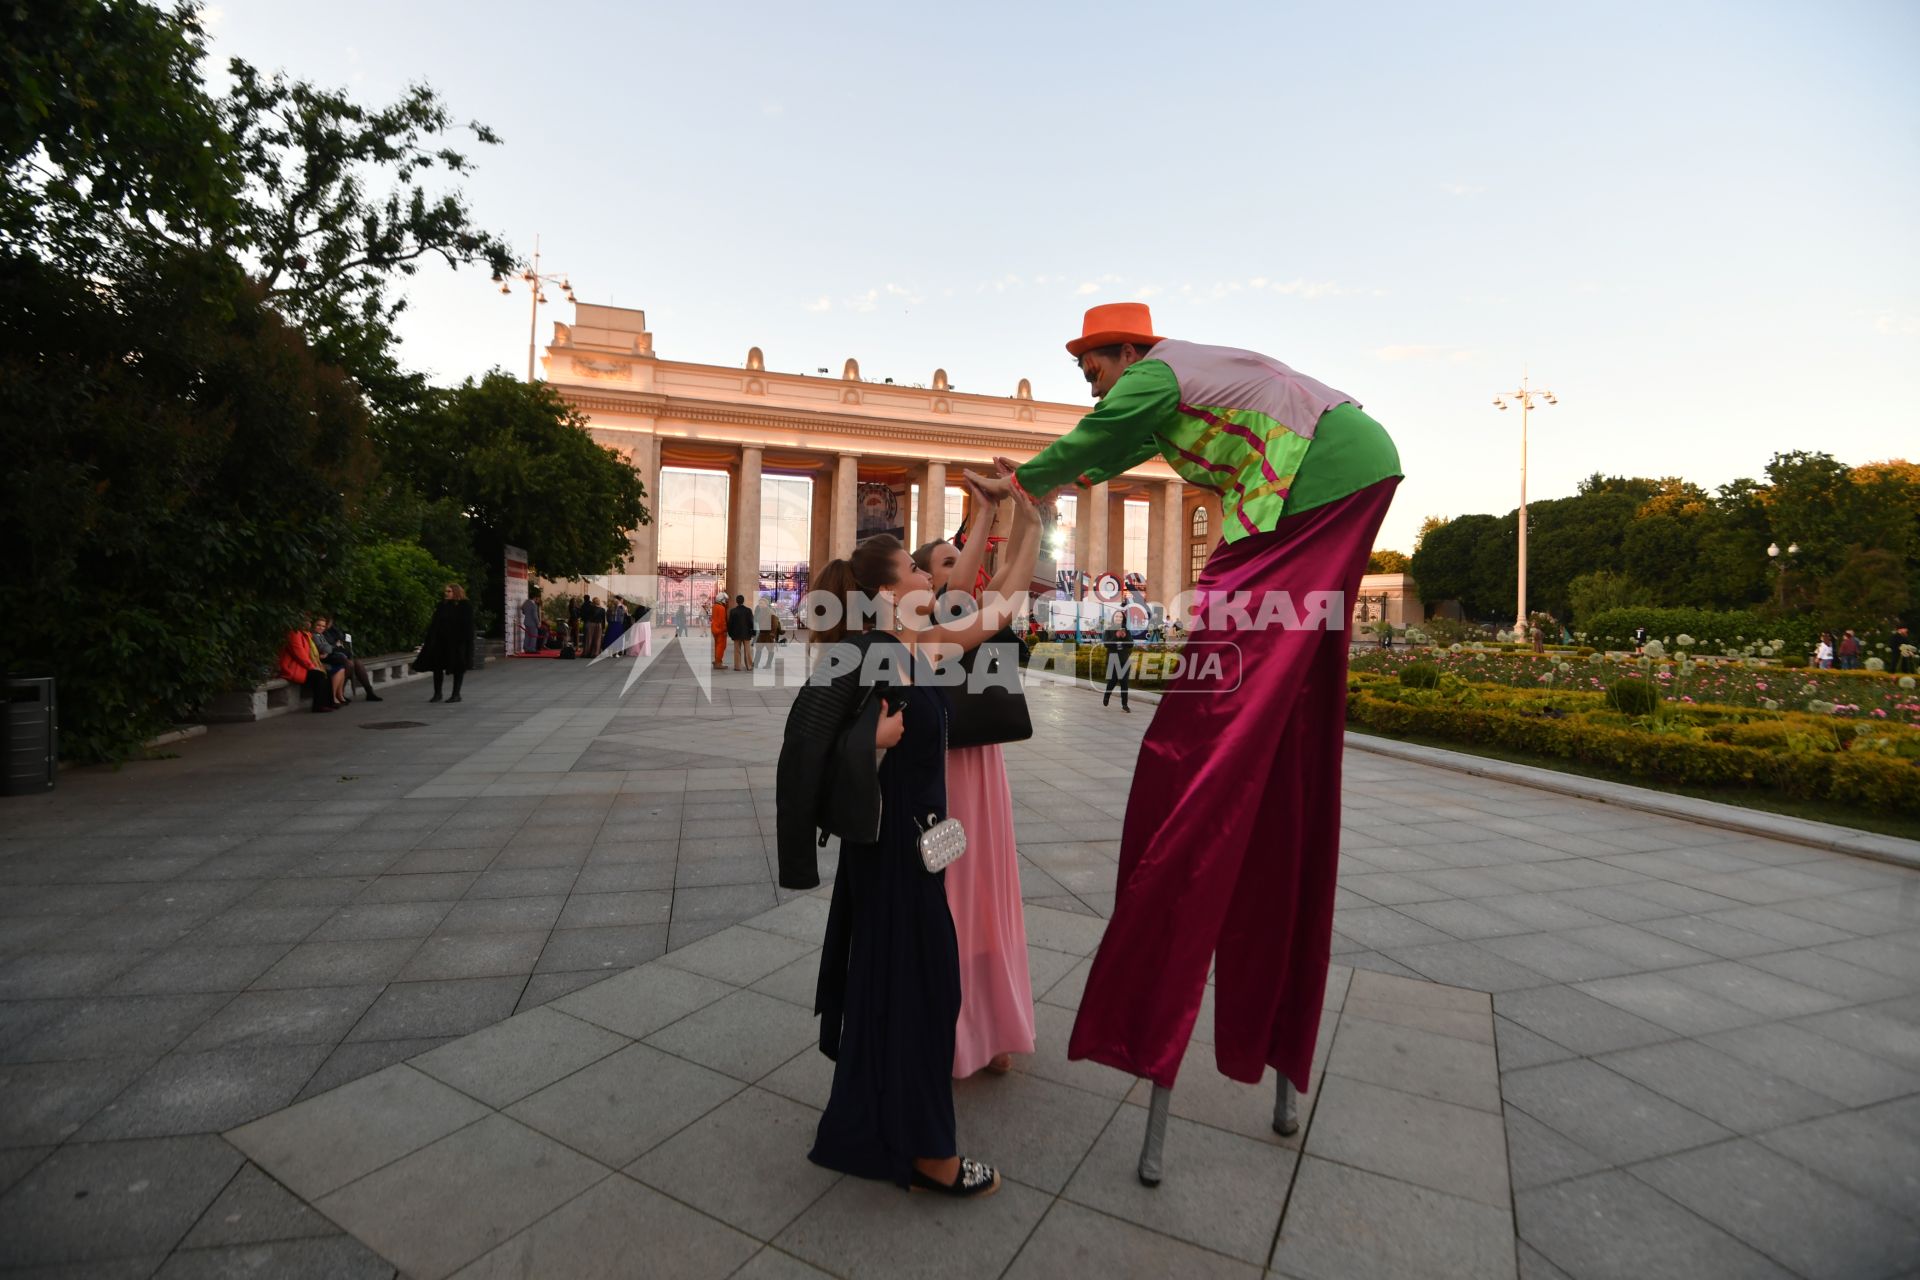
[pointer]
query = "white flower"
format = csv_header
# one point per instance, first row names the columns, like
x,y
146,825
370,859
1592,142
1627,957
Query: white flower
x,y
1769,704
1654,649
1684,641
1820,708
1905,682
1454,647
1874,664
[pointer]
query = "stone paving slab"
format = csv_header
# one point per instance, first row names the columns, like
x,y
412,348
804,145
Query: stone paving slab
x,y
697,1130
173,949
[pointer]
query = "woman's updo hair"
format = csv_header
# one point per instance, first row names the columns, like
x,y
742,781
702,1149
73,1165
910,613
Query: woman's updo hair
x,y
923,558
853,582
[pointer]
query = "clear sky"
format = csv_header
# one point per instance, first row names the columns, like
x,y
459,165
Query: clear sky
x,y
1697,223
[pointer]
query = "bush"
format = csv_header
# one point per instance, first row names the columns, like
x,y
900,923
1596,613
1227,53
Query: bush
x,y
1873,780
1713,631
1445,631
1420,675
1634,697
387,595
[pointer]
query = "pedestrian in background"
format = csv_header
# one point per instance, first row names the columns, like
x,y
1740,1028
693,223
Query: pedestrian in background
x,y
717,623
1119,642
740,631
448,648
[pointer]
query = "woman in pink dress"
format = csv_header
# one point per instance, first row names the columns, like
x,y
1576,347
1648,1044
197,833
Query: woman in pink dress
x,y
983,887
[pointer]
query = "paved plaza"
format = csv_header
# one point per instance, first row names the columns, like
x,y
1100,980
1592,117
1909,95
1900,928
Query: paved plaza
x,y
506,989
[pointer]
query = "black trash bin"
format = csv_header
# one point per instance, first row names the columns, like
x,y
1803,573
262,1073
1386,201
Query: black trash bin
x,y
32,737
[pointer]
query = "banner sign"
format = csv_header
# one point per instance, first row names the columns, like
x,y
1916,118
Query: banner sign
x,y
516,579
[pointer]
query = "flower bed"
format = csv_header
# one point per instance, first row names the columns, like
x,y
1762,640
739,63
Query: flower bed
x,y
1874,765
1867,695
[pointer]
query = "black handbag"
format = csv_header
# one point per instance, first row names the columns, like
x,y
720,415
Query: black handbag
x,y
990,707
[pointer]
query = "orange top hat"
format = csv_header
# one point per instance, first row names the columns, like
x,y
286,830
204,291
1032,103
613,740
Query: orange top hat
x,y
1113,322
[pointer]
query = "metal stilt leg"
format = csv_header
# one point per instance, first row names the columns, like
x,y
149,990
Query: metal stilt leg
x,y
1156,1136
1286,1109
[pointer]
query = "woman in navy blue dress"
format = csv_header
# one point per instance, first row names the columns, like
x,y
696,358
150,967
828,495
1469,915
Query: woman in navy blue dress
x,y
889,991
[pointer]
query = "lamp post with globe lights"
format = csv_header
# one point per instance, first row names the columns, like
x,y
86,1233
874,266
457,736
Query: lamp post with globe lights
x,y
1526,397
536,283
1781,561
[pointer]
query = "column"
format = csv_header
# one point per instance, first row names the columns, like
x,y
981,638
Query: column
x,y
743,527
1170,565
933,504
644,559
846,503
820,527
1157,534
1095,505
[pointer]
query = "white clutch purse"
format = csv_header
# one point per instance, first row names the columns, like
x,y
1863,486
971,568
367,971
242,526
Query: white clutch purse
x,y
941,841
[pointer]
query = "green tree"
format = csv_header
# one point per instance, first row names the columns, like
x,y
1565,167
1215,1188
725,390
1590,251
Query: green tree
x,y
1594,593
108,139
1387,562
178,470
1867,591
1450,560
519,461
334,206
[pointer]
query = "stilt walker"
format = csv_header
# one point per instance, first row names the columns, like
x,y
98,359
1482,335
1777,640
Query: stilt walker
x,y
1232,835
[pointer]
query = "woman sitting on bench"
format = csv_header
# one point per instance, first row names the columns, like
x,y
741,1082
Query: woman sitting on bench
x,y
300,665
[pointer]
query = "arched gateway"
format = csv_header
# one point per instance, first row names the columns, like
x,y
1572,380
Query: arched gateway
x,y
756,477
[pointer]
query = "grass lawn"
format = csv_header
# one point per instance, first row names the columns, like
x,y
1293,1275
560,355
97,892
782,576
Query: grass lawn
x,y
1887,824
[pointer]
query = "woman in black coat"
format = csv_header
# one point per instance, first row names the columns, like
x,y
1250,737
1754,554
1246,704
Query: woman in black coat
x,y
449,643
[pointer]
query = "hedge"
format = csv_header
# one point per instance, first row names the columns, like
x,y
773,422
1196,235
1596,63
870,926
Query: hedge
x,y
1868,779
1713,631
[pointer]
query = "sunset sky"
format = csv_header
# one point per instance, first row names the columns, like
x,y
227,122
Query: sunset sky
x,y
1696,223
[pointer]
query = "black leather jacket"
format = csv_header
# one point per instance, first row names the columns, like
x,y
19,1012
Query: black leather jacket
x,y
828,779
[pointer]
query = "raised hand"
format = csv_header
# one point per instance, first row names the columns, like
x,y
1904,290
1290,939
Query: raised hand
x,y
993,488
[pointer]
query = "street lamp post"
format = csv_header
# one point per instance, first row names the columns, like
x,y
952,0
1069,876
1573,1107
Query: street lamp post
x,y
536,281
1525,397
1781,561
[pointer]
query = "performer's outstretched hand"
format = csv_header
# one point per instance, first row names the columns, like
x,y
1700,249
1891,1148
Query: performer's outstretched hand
x,y
995,488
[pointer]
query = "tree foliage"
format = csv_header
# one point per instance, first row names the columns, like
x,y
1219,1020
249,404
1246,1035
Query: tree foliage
x,y
519,461
178,469
1666,542
200,385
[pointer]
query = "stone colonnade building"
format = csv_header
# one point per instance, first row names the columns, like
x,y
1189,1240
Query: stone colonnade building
x,y
758,478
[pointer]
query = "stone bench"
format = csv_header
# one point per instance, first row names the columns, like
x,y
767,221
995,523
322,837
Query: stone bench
x,y
276,697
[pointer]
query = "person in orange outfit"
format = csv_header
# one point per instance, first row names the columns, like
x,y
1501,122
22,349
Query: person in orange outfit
x,y
300,665
719,628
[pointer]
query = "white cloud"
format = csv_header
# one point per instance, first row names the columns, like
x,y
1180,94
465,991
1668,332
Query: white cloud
x,y
1897,325
821,304
1146,291
1461,189
212,16
1310,289
1416,351
1088,287
771,108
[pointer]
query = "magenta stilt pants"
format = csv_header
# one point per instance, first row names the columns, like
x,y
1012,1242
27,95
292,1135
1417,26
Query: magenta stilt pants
x,y
1232,835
